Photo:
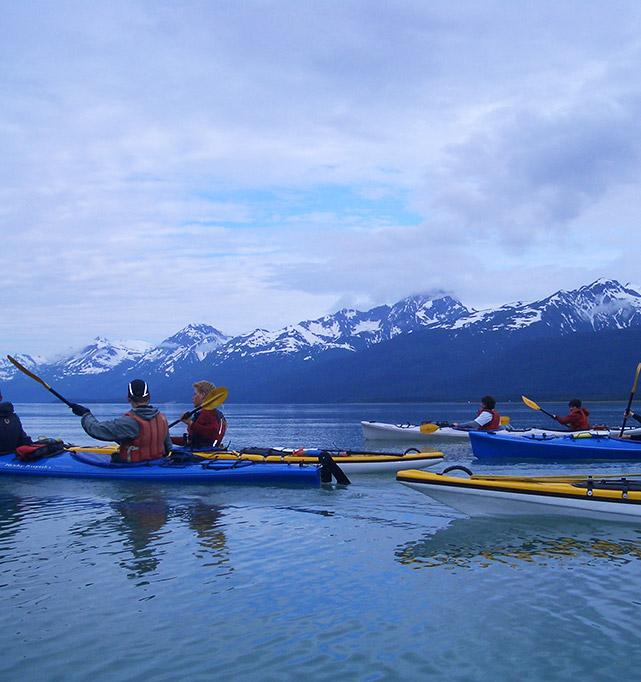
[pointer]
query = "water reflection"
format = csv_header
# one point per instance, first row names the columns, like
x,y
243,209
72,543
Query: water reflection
x,y
12,511
474,543
204,520
141,529
140,522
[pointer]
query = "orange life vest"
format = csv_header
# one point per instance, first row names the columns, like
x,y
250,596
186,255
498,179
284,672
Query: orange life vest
x,y
493,424
150,442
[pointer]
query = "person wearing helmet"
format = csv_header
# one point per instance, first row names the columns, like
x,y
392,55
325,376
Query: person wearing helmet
x,y
142,432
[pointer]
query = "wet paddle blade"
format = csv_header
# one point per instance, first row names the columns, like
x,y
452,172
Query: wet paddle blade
x,y
428,428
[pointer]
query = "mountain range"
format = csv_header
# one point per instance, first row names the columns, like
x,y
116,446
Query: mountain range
x,y
585,342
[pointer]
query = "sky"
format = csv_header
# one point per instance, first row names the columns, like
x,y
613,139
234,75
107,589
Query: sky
x,y
254,163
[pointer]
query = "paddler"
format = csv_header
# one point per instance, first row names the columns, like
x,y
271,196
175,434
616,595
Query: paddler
x,y
577,420
142,433
487,419
12,435
205,428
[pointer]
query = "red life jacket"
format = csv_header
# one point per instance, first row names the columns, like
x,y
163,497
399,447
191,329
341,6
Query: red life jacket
x,y
577,420
493,424
150,442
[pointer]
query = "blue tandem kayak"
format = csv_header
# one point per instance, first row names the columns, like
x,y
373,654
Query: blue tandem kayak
x,y
99,466
488,446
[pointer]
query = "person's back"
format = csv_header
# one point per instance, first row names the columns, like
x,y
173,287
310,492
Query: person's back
x,y
12,435
150,441
142,433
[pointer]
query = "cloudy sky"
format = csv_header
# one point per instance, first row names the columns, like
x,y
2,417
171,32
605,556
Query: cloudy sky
x,y
254,163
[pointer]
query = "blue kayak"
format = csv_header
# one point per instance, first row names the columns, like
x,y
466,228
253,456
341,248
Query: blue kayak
x,y
99,466
488,446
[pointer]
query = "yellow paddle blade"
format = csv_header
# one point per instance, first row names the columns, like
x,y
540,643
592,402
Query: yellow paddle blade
x,y
215,398
505,421
530,403
428,428
22,368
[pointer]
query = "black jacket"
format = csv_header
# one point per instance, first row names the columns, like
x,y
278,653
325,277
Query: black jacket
x,y
12,434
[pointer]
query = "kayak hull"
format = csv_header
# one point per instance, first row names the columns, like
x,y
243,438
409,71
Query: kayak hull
x,y
515,496
490,446
350,462
412,432
98,466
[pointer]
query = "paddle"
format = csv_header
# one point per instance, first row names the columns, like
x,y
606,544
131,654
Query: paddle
x,y
534,406
634,388
432,428
22,368
213,399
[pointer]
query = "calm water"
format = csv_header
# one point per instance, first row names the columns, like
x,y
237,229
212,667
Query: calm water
x,y
114,581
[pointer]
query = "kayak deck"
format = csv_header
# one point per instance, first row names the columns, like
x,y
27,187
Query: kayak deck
x,y
568,447
412,432
98,465
585,495
350,461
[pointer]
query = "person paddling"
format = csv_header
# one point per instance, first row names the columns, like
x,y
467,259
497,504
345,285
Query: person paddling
x,y
12,435
207,427
142,433
577,420
487,419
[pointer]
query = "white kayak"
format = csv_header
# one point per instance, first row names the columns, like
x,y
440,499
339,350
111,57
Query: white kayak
x,y
373,430
594,496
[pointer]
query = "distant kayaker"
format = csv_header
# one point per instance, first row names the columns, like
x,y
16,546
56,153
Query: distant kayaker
x,y
577,420
207,427
142,433
488,419
12,435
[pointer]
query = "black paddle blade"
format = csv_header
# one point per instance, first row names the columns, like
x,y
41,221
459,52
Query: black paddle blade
x,y
329,468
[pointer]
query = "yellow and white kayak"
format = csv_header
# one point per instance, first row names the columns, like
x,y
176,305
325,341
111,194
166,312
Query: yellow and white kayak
x,y
594,496
350,461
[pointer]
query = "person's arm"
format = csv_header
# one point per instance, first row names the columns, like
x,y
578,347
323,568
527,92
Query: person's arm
x,y
634,416
23,438
468,426
168,443
119,430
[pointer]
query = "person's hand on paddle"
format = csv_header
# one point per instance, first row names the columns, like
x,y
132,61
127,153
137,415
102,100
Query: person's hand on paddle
x,y
186,418
79,410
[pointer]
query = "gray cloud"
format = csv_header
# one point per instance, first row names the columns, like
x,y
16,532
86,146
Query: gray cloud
x,y
254,164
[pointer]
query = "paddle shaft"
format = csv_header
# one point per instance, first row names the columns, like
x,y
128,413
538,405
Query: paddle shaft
x,y
534,406
634,388
23,369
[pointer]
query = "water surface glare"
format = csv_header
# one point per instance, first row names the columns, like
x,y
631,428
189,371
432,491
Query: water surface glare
x,y
128,581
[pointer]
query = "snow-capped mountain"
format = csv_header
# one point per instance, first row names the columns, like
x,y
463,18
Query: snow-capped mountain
x,y
8,371
346,330
264,362
190,345
100,356
604,304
